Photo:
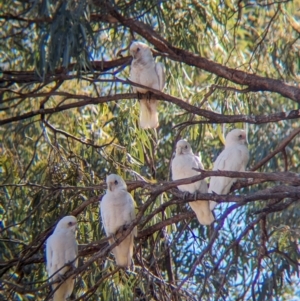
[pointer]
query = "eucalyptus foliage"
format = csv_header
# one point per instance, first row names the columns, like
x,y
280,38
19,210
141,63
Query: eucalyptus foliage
x,y
68,118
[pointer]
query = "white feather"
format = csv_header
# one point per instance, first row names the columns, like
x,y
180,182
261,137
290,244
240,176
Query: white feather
x,y
182,167
117,210
61,248
145,71
234,157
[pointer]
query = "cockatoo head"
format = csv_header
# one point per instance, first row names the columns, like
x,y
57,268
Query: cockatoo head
x,y
140,50
68,222
183,147
115,182
236,136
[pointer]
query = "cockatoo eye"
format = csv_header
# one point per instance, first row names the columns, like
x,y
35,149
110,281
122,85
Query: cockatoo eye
x,y
116,182
138,49
70,223
186,147
240,136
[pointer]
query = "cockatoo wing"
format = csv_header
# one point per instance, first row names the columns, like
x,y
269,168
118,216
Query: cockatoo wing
x,y
107,215
201,208
160,71
49,256
117,211
132,215
202,183
182,167
61,249
233,159
124,251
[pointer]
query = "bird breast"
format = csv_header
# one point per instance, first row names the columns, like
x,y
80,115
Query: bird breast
x,y
119,213
183,167
145,75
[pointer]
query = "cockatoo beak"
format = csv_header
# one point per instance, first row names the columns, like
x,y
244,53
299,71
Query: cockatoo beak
x,y
110,186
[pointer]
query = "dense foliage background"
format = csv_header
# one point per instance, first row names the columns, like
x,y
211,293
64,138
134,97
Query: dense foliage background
x,y
68,118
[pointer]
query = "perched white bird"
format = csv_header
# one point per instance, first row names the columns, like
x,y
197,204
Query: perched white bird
x,y
61,249
145,71
182,167
117,210
234,157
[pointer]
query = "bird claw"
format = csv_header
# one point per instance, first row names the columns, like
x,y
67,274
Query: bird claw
x,y
139,95
73,266
120,232
195,196
124,228
148,95
61,277
114,236
185,195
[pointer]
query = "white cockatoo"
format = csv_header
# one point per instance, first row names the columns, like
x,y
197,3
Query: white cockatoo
x,y
117,210
62,249
145,71
182,167
234,157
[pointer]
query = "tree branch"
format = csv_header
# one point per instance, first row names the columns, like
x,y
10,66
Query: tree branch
x,y
278,149
211,117
252,81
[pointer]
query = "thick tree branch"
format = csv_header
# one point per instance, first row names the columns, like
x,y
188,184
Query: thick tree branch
x,y
157,188
252,81
206,257
276,192
278,149
22,77
211,117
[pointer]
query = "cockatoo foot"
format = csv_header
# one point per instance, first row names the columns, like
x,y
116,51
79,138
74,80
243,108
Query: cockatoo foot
x,y
195,196
149,95
61,277
139,95
186,195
